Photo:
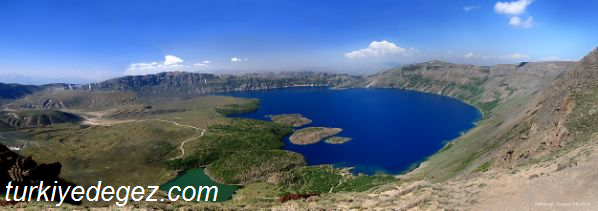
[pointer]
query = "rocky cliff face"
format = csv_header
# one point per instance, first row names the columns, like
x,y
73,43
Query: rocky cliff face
x,y
72,99
198,83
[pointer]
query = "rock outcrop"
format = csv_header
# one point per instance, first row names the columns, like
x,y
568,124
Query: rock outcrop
x,y
24,171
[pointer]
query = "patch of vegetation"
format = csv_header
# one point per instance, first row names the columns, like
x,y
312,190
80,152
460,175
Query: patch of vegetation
x,y
252,166
312,179
242,151
466,162
446,147
158,152
415,80
583,119
325,178
471,91
225,139
233,109
487,107
483,168
362,182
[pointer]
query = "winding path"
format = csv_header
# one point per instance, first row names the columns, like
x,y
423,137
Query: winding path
x,y
185,141
340,182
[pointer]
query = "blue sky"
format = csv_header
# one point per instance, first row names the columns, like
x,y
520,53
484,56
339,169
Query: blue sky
x,y
82,41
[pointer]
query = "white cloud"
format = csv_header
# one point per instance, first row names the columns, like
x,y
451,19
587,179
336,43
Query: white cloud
x,y
470,8
204,63
516,56
513,10
170,63
237,59
172,60
379,48
516,21
469,55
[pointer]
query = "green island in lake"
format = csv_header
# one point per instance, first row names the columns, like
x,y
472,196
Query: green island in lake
x,y
293,120
311,135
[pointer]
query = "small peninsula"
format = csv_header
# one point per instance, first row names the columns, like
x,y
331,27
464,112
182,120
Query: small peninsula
x,y
293,120
337,140
312,135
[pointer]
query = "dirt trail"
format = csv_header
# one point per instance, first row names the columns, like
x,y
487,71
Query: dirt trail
x,y
344,173
340,182
188,140
181,147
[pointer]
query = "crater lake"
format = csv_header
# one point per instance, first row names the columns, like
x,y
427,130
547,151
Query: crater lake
x,y
392,130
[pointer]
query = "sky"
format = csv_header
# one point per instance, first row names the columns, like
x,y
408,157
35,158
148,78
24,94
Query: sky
x,y
85,41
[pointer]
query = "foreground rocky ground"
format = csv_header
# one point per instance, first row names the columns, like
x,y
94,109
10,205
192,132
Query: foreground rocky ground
x,y
568,182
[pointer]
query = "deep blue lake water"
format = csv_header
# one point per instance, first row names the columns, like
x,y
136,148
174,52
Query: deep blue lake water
x,y
391,129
